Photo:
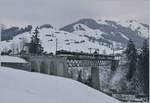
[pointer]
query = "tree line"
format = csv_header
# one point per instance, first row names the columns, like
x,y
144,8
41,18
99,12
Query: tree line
x,y
138,66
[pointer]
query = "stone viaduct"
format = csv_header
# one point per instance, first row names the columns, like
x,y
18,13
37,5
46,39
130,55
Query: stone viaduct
x,y
59,64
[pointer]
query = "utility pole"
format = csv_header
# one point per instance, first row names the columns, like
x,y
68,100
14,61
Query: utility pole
x,y
113,50
90,49
56,44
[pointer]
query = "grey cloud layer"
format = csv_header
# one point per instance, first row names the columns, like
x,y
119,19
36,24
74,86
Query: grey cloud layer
x,y
62,12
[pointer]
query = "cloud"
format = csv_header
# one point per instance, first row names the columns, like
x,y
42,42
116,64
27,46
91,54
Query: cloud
x,y
62,12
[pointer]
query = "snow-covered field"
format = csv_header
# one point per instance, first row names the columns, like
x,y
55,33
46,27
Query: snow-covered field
x,y
18,86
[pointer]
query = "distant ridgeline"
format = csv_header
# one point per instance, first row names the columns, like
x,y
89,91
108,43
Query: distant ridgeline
x,y
8,34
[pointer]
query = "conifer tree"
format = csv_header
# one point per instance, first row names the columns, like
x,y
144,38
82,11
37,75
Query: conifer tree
x,y
144,67
35,45
131,53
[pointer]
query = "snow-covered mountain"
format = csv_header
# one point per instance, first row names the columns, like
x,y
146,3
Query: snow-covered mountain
x,y
66,41
110,31
85,35
26,87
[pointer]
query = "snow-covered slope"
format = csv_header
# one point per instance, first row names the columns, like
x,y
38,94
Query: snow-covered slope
x,y
141,29
111,31
66,41
85,35
25,87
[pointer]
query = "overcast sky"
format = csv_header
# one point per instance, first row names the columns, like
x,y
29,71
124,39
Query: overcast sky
x,y
61,12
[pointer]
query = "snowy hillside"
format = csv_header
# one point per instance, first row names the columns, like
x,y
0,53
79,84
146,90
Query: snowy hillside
x,y
85,35
66,41
111,32
141,29
26,87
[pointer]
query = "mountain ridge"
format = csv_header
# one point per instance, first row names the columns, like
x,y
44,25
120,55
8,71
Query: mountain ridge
x,y
117,28
85,35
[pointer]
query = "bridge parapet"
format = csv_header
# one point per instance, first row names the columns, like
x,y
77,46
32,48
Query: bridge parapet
x,y
87,63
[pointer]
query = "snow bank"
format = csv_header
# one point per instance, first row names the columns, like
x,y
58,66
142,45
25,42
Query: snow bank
x,y
12,59
25,87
